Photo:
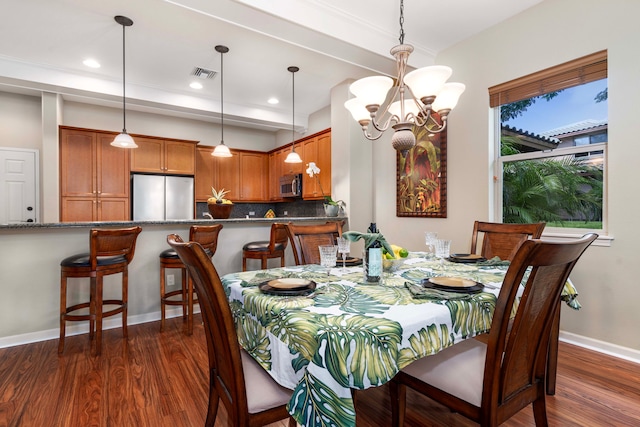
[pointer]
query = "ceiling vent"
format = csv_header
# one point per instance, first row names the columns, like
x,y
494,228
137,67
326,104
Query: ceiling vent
x,y
203,73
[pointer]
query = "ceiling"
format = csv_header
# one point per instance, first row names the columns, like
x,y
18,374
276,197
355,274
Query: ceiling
x,y
44,42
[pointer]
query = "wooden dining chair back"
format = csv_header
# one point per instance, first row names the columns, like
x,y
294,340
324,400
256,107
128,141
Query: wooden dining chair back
x,y
305,239
490,382
503,240
251,397
265,250
110,252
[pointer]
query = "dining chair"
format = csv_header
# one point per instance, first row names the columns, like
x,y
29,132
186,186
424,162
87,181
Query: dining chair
x,y
503,240
251,397
264,250
207,236
490,382
305,239
110,252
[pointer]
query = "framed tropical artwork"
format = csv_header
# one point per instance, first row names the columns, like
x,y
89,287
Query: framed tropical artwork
x,y
421,177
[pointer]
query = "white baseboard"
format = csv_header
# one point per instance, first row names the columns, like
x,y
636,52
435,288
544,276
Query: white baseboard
x,y
601,346
77,328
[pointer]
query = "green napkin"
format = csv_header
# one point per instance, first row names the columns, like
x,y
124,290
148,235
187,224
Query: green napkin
x,y
436,294
494,261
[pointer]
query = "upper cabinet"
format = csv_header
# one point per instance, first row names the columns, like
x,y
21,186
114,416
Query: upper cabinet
x,y
317,149
94,177
244,175
155,155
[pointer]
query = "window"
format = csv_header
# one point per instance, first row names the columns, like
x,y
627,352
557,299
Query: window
x,y
553,143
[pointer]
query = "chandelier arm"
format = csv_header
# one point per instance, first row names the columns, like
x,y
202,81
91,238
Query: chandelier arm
x,y
382,110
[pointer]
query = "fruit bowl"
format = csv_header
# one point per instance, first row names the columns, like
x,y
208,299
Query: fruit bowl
x,y
220,210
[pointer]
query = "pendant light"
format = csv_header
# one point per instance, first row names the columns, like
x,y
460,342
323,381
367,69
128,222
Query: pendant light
x,y
293,157
221,150
124,140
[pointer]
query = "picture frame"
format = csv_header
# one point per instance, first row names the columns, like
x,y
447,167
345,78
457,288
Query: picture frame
x,y
421,176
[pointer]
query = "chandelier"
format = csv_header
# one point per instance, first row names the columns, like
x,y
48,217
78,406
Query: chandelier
x,y
420,98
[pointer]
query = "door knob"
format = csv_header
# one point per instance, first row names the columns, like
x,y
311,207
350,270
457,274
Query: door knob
x,y
29,208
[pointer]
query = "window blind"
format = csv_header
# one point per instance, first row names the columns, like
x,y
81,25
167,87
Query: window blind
x,y
573,73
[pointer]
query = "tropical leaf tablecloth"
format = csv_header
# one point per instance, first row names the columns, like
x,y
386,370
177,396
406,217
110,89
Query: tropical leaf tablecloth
x,y
351,335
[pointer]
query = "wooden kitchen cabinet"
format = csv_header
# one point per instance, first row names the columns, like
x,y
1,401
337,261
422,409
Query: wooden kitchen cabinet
x,y
317,149
276,165
245,175
227,175
254,172
205,173
167,156
94,177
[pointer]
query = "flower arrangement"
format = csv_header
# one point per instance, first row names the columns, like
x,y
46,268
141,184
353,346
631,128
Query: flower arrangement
x,y
314,170
217,197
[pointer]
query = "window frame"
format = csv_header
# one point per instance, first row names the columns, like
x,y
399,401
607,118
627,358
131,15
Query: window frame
x,y
570,74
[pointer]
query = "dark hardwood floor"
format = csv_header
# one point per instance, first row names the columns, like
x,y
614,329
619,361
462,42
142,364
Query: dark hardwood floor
x,y
160,379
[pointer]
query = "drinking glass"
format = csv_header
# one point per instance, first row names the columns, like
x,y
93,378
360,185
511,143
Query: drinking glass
x,y
430,238
328,255
442,249
343,248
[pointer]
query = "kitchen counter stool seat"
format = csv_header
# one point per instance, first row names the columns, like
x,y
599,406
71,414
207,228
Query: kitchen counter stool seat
x,y
111,252
265,250
207,236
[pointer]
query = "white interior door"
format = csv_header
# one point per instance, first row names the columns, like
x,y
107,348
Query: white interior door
x,y
18,191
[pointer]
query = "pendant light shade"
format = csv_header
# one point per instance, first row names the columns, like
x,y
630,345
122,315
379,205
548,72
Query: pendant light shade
x,y
124,140
293,157
221,149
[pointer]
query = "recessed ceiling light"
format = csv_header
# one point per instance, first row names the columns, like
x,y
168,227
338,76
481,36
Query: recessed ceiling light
x,y
195,85
273,101
92,63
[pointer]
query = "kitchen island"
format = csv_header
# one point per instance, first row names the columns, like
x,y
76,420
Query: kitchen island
x,y
30,256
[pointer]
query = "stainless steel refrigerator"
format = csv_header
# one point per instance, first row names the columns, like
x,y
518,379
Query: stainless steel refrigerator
x,y
161,197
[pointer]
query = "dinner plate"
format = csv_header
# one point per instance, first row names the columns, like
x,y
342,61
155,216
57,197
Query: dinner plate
x,y
466,258
350,261
288,286
453,284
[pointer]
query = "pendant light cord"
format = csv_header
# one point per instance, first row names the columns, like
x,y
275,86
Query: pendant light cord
x,y
222,97
293,109
124,97
401,21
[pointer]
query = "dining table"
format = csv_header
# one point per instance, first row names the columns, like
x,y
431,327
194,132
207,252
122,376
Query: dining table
x,y
338,333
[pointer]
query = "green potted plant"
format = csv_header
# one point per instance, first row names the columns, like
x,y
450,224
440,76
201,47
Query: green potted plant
x,y
331,207
219,207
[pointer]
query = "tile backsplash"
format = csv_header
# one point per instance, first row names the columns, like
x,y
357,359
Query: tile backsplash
x,y
297,209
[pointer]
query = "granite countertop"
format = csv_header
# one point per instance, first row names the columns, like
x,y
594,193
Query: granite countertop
x,y
33,225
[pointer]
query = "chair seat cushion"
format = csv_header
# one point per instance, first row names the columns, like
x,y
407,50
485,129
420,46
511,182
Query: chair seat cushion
x,y
169,253
458,370
262,391
172,254
82,260
261,247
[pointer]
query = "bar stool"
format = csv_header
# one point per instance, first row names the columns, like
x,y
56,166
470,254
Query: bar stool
x,y
110,252
207,236
264,250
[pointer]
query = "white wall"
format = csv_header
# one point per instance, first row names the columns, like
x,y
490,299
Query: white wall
x,y
553,32
20,121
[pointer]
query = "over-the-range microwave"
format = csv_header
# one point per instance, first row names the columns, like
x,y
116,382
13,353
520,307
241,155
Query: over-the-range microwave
x,y
291,185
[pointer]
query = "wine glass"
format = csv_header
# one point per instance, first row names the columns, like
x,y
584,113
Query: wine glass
x,y
430,238
343,248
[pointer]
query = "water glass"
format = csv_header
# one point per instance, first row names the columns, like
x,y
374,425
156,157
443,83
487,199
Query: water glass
x,y
344,245
430,238
443,248
328,255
